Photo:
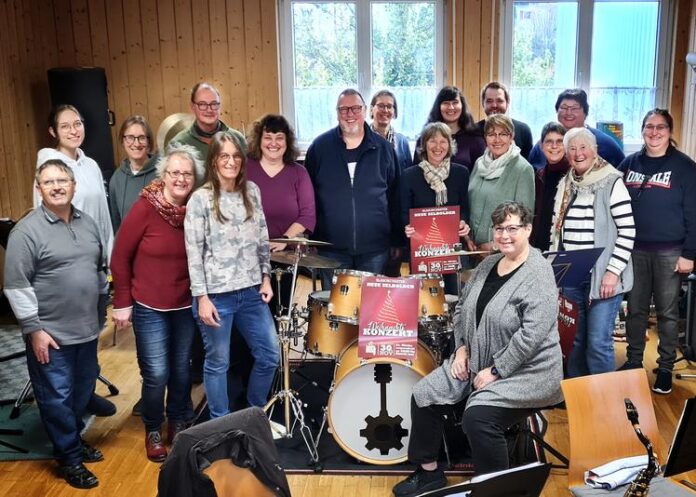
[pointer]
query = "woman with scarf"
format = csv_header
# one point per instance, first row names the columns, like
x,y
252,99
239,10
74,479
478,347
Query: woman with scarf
x,y
436,181
383,109
500,175
592,208
151,289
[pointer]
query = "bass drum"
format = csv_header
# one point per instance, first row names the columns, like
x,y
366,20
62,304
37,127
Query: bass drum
x,y
369,409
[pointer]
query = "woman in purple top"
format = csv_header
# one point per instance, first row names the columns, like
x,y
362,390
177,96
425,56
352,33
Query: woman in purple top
x,y
286,190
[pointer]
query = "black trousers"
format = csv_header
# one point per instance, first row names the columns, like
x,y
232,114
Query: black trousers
x,y
484,427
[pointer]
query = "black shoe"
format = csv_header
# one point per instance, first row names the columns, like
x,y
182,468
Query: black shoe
x,y
630,365
90,454
78,476
420,481
138,407
663,382
100,406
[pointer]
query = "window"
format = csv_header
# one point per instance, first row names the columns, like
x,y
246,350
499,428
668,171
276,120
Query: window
x,y
327,46
616,50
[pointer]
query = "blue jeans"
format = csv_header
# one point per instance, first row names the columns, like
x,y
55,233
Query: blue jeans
x,y
252,318
163,345
593,347
372,262
62,389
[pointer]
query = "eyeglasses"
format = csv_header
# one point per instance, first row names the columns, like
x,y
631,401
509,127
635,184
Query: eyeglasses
x,y
550,143
355,109
655,127
385,106
77,125
511,230
227,157
48,183
180,175
207,105
130,139
570,109
498,135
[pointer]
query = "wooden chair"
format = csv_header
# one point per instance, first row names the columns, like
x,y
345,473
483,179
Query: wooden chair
x,y
233,481
599,429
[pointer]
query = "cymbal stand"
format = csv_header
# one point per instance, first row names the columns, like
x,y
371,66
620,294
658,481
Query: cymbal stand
x,y
288,329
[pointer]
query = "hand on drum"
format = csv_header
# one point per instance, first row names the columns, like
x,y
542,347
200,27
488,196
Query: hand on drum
x,y
122,317
409,230
460,366
207,312
464,229
266,291
483,378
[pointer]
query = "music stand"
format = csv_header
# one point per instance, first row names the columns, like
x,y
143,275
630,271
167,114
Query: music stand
x,y
523,481
682,454
571,267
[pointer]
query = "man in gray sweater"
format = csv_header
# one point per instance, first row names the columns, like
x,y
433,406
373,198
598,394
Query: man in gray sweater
x,y
54,273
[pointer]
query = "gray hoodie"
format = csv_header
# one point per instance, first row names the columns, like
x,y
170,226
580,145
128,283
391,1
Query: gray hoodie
x,y
125,186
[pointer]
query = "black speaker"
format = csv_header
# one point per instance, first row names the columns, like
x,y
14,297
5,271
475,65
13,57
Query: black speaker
x,y
86,89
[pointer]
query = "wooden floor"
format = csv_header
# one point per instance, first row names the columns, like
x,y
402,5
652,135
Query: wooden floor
x,y
127,472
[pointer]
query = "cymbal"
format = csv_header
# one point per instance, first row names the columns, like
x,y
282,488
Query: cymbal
x,y
298,241
458,252
311,261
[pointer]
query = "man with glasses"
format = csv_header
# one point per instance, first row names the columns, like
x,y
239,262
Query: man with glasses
x,y
495,99
355,176
205,105
572,109
54,274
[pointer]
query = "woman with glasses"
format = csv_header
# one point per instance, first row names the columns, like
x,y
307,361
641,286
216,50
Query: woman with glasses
x,y
546,180
592,209
501,174
450,108
506,362
661,181
151,289
66,126
136,171
229,265
383,109
436,181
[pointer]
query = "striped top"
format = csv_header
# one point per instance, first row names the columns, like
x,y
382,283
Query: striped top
x,y
578,226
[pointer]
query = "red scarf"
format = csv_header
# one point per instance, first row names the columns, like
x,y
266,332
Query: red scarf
x,y
173,214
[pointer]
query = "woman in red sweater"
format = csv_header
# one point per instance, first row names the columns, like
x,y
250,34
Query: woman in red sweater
x,y
151,289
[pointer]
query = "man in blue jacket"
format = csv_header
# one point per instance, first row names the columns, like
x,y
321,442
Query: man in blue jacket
x,y
355,176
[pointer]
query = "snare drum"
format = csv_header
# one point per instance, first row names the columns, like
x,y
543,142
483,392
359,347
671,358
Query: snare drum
x,y
344,302
431,298
356,400
324,337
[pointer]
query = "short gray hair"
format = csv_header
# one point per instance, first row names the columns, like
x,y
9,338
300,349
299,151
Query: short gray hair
x,y
54,163
187,152
582,135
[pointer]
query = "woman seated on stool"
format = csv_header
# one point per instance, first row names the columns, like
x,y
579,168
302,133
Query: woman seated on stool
x,y
507,358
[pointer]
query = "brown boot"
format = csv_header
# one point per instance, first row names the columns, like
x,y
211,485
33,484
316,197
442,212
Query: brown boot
x,y
155,447
173,428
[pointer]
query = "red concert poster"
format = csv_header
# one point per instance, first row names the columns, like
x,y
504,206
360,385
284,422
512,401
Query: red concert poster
x,y
567,325
436,233
388,318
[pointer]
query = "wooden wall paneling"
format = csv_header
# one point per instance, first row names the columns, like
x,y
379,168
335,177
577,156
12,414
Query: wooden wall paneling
x,y
236,53
200,23
679,66
487,51
133,27
172,88
82,35
220,65
495,23
119,83
689,114
152,66
64,33
6,146
254,53
270,82
471,54
184,47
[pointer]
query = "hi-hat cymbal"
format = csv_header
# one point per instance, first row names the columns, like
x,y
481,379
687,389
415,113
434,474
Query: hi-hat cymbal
x,y
458,252
298,241
311,261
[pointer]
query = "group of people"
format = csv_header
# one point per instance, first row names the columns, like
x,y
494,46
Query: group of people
x,y
191,255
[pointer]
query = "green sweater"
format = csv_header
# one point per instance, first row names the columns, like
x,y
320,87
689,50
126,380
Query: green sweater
x,y
516,183
191,137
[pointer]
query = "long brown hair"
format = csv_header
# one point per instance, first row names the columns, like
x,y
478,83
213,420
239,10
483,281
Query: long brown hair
x,y
212,181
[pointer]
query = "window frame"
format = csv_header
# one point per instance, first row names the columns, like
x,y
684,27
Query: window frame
x,y
665,47
363,45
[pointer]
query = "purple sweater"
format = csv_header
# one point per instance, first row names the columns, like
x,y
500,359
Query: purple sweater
x,y
287,198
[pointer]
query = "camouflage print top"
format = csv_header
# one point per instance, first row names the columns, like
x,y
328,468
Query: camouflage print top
x,y
223,257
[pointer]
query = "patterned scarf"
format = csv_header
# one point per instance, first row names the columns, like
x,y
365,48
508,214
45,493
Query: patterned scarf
x,y
435,176
490,168
391,137
569,186
173,214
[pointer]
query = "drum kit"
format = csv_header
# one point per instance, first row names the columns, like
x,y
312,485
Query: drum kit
x,y
374,429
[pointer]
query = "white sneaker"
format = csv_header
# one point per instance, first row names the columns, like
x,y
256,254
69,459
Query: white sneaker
x,y
278,430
